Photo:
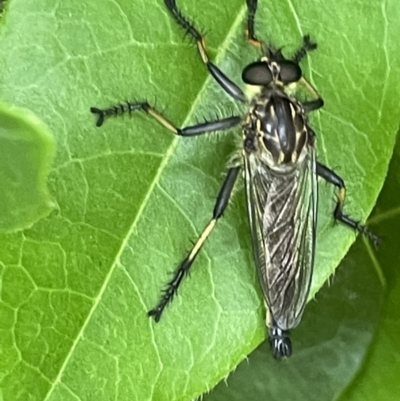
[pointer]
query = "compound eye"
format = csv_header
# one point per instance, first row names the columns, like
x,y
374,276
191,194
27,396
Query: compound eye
x,y
257,73
289,72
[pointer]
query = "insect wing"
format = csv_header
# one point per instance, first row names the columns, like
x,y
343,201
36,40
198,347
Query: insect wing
x,y
283,213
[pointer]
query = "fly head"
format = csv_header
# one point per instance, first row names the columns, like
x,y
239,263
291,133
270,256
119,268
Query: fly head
x,y
272,69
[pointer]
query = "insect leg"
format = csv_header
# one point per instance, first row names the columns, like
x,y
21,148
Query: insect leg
x,y
219,208
227,85
251,12
312,105
197,129
307,46
331,177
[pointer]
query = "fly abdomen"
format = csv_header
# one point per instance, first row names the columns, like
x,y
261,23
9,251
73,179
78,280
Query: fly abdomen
x,y
279,342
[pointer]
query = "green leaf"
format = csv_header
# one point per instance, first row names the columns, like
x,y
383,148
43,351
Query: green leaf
x,y
378,378
77,285
342,326
331,342
26,153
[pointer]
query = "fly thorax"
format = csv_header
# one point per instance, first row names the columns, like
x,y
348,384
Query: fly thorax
x,y
277,130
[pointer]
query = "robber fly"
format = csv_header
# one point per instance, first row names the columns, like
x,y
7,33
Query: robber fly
x,y
280,170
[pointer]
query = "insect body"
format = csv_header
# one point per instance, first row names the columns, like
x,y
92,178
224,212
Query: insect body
x,y
280,169
281,186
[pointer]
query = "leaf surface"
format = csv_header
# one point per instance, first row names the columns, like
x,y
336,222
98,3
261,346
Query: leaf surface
x,y
26,153
77,285
348,337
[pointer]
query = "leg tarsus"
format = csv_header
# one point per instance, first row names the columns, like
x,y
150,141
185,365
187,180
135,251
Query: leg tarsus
x,y
331,177
100,116
354,224
197,129
182,20
226,84
170,290
307,46
118,109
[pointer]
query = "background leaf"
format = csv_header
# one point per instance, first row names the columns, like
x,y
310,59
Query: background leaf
x,y
26,153
338,327
77,285
378,378
333,339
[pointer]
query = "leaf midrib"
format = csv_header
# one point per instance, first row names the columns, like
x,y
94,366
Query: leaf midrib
x,y
170,151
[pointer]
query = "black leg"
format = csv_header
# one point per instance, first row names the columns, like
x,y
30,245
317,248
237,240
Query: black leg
x,y
219,208
307,46
312,105
227,85
331,177
197,129
251,12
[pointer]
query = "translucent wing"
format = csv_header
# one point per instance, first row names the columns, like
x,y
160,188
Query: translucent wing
x,y
282,210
